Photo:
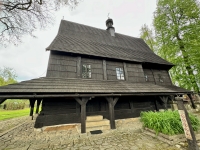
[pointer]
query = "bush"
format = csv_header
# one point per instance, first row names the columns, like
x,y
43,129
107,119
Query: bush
x,y
167,122
14,105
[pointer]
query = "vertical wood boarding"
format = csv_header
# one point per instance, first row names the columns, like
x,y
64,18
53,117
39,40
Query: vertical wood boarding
x,y
104,70
150,76
78,67
135,72
62,65
165,76
125,71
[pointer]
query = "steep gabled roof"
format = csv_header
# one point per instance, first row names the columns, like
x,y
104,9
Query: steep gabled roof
x,y
81,39
44,86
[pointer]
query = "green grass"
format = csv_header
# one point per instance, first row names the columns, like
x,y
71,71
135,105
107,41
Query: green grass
x,y
167,122
8,114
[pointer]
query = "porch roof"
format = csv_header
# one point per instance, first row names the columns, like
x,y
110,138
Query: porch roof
x,y
62,87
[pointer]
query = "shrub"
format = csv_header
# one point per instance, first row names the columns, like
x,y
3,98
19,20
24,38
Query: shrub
x,y
167,122
14,105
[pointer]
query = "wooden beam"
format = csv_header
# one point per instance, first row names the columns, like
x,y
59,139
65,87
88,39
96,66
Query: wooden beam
x,y
2,100
111,103
83,101
104,70
32,102
191,99
187,126
78,67
84,95
38,105
125,71
78,100
115,100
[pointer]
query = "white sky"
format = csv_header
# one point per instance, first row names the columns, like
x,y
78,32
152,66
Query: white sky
x,y
29,59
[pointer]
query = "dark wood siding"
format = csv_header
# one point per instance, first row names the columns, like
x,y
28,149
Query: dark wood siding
x,y
62,66
135,72
58,106
63,111
96,67
150,77
165,76
111,69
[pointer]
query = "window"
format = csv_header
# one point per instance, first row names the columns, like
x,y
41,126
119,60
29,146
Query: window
x,y
146,77
120,73
86,71
160,78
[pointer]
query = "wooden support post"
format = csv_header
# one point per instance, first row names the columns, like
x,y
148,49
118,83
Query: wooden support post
x,y
111,103
2,100
153,76
78,71
189,133
83,101
32,102
170,78
38,105
125,71
156,104
164,99
193,105
104,70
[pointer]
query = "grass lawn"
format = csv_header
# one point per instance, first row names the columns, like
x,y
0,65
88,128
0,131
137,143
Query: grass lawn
x,y
8,114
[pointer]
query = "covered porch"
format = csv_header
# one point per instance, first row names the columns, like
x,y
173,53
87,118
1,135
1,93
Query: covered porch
x,y
82,97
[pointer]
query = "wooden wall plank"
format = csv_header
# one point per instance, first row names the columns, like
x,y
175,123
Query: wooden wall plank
x,y
104,70
125,71
78,67
135,72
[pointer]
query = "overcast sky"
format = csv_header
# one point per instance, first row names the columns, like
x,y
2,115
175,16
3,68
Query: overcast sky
x,y
29,59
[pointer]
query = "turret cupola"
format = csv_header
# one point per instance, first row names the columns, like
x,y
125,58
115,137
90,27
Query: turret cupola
x,y
110,28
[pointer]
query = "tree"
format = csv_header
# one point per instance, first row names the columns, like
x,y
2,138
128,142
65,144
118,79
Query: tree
x,y
20,17
147,35
177,27
7,76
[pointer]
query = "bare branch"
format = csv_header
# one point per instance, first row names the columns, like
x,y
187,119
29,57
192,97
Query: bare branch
x,y
20,17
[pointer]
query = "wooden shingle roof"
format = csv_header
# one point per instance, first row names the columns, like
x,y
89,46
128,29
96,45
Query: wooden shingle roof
x,y
81,39
46,85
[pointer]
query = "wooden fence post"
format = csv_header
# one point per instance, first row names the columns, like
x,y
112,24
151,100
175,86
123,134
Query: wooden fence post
x,y
187,126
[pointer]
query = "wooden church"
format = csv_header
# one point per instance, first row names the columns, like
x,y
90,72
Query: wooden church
x,y
95,72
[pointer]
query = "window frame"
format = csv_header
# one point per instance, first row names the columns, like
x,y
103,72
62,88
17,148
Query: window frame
x,y
87,71
119,73
146,77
